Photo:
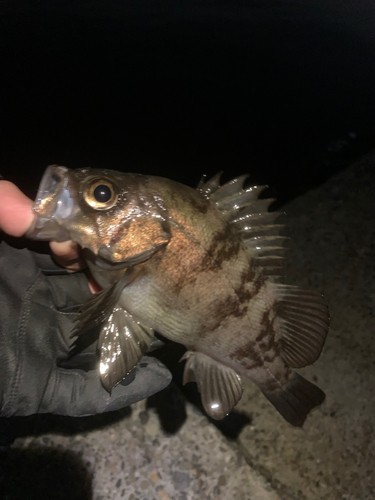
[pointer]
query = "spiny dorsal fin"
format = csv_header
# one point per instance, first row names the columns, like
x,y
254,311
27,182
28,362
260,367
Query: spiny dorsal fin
x,y
243,209
210,186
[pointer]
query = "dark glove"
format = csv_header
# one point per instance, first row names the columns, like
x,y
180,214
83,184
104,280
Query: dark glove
x,y
38,303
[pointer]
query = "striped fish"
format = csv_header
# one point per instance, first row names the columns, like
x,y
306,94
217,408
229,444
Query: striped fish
x,y
203,267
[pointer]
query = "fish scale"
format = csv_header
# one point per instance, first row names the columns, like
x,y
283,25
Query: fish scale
x,y
203,268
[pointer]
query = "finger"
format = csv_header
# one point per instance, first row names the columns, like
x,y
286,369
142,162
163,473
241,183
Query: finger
x,y
16,216
16,213
68,254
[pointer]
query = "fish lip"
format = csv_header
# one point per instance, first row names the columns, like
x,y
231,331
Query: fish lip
x,y
53,181
53,204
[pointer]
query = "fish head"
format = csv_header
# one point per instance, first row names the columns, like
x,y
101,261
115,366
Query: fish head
x,y
109,213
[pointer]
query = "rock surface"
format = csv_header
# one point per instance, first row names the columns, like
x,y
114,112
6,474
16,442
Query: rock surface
x,y
333,456
132,459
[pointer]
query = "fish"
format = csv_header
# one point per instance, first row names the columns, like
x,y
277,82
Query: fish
x,y
202,267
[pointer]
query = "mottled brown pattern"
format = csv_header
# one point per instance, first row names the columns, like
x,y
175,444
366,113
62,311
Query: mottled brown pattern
x,y
244,291
200,205
191,201
224,246
262,335
258,282
223,309
247,356
248,274
116,237
180,273
267,338
230,306
185,279
269,357
186,271
208,263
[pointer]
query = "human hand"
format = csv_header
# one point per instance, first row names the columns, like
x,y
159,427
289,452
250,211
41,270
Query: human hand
x,y
16,216
40,301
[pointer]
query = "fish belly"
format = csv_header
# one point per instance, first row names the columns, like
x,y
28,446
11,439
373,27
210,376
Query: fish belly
x,y
182,317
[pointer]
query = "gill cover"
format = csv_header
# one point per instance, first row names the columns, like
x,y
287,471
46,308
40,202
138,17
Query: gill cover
x,y
127,229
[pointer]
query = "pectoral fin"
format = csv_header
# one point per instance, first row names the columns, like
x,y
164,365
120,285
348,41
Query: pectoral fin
x,y
122,343
220,386
100,305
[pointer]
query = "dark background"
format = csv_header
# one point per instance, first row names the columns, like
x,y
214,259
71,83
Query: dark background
x,y
283,90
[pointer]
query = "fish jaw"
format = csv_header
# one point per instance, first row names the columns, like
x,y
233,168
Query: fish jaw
x,y
54,205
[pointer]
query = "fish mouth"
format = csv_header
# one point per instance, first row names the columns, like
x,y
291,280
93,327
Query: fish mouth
x,y
53,205
50,187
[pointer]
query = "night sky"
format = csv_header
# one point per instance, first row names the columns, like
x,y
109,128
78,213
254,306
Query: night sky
x,y
183,88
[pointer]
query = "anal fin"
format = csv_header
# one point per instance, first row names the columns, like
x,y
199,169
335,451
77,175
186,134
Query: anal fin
x,y
122,343
220,386
298,398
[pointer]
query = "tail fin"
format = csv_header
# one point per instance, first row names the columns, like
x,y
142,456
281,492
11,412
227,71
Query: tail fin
x,y
297,400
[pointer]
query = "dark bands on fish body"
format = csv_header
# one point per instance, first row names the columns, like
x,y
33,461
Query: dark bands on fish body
x,y
203,268
201,206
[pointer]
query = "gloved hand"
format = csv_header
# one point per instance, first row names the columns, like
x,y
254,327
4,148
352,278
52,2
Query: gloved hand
x,y
39,302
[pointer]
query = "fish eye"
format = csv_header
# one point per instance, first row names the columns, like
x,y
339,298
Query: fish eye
x,y
100,194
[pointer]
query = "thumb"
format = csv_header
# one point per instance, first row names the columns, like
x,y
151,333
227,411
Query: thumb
x,y
76,393
16,213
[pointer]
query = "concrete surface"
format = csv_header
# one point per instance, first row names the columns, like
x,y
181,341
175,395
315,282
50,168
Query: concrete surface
x,y
133,460
332,457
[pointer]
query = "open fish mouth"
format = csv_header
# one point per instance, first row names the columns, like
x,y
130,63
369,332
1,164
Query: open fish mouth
x,y
52,206
52,193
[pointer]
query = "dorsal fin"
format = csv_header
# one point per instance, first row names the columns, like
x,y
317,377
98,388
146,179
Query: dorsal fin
x,y
210,186
243,209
